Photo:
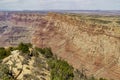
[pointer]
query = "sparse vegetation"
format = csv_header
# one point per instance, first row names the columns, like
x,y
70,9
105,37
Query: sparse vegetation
x,y
59,69
46,52
7,71
4,53
30,77
24,47
118,22
100,21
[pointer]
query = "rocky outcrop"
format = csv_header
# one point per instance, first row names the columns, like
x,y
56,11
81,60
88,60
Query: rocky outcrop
x,y
24,67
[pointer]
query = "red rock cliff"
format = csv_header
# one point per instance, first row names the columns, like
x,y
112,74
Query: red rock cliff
x,y
95,48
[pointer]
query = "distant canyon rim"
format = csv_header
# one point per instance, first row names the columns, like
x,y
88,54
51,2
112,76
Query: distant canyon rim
x,y
92,47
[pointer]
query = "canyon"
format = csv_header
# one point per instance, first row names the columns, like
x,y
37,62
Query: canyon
x,y
94,48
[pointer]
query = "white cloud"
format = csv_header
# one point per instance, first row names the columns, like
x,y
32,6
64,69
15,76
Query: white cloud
x,y
8,1
59,4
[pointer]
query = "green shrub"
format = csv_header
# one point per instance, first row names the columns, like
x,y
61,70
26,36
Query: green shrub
x,y
3,53
118,22
92,78
46,52
11,49
102,79
5,72
60,70
29,45
23,47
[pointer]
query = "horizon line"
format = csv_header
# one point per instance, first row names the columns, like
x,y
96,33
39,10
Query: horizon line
x,y
63,10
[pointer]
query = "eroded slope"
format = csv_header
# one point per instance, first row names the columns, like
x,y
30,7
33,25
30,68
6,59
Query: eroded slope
x,y
93,47
96,48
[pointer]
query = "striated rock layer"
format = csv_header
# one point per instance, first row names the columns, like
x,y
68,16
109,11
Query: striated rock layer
x,y
16,27
86,46
91,47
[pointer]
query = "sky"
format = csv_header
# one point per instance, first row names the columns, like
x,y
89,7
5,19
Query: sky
x,y
59,4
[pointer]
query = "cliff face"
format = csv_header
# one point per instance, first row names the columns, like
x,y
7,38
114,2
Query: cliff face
x,y
16,27
92,47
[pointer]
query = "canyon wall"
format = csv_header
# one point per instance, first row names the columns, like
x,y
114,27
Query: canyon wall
x,y
16,27
86,46
94,48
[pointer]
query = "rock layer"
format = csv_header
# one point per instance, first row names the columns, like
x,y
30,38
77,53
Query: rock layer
x,y
92,47
86,46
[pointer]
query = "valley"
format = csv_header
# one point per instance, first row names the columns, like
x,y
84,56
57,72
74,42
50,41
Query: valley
x,y
85,41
